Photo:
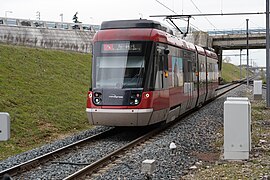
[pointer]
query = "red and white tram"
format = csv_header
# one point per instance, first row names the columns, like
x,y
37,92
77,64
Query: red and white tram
x,y
142,74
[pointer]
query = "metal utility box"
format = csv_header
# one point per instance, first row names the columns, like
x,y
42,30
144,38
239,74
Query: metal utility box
x,y
4,126
257,89
237,128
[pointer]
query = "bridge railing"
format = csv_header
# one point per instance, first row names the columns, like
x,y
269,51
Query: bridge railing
x,y
47,24
236,31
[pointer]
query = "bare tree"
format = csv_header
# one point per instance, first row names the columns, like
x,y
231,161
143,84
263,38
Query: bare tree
x,y
227,60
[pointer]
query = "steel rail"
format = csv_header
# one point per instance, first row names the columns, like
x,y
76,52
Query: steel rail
x,y
112,156
90,169
26,166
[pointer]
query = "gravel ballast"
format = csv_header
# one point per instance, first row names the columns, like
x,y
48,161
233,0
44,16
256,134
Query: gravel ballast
x,y
26,156
193,136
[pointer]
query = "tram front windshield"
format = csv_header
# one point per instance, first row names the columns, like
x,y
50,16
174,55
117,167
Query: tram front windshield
x,y
118,65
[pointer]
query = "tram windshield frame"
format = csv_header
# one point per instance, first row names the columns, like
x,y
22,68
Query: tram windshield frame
x,y
119,64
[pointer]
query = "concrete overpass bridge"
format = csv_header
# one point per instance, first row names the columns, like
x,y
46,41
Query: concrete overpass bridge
x,y
230,40
237,39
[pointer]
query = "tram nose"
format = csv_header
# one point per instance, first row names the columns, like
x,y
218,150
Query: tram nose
x,y
117,97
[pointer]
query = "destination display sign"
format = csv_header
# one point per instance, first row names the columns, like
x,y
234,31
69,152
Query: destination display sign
x,y
121,47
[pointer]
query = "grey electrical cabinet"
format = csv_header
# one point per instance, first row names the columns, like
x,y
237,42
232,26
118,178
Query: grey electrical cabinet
x,y
257,89
4,126
237,128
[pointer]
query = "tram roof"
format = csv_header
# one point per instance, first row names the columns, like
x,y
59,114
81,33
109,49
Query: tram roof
x,y
136,23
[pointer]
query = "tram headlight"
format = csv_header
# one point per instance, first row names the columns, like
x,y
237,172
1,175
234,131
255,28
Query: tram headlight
x,y
136,101
135,98
97,98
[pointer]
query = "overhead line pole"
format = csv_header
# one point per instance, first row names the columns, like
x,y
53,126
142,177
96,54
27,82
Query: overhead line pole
x,y
267,57
247,55
240,63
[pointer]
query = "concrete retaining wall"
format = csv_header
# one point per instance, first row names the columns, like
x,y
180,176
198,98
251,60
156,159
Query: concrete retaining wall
x,y
63,39
77,40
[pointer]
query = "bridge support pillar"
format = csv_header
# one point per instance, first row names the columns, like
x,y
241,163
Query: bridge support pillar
x,y
218,51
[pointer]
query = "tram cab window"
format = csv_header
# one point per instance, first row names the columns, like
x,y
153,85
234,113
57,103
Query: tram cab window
x,y
119,64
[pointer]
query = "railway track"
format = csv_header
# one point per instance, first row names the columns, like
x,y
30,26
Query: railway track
x,y
51,155
54,157
90,168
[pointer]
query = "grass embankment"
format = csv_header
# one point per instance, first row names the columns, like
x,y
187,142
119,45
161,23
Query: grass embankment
x,y
44,91
231,72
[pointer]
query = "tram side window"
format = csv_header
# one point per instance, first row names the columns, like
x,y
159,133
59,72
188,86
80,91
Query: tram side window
x,y
216,72
202,69
189,68
157,71
209,72
177,71
161,66
187,71
213,70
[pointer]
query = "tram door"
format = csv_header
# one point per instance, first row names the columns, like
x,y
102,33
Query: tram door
x,y
190,86
162,68
161,84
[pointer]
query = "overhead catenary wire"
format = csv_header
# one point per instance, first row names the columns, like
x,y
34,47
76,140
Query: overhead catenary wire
x,y
177,16
188,16
202,12
166,6
195,27
241,25
213,14
256,24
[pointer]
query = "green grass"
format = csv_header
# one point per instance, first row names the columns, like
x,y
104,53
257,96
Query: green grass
x,y
263,76
231,72
44,91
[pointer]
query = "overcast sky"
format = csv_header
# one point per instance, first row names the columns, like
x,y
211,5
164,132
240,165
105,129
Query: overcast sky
x,y
96,11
